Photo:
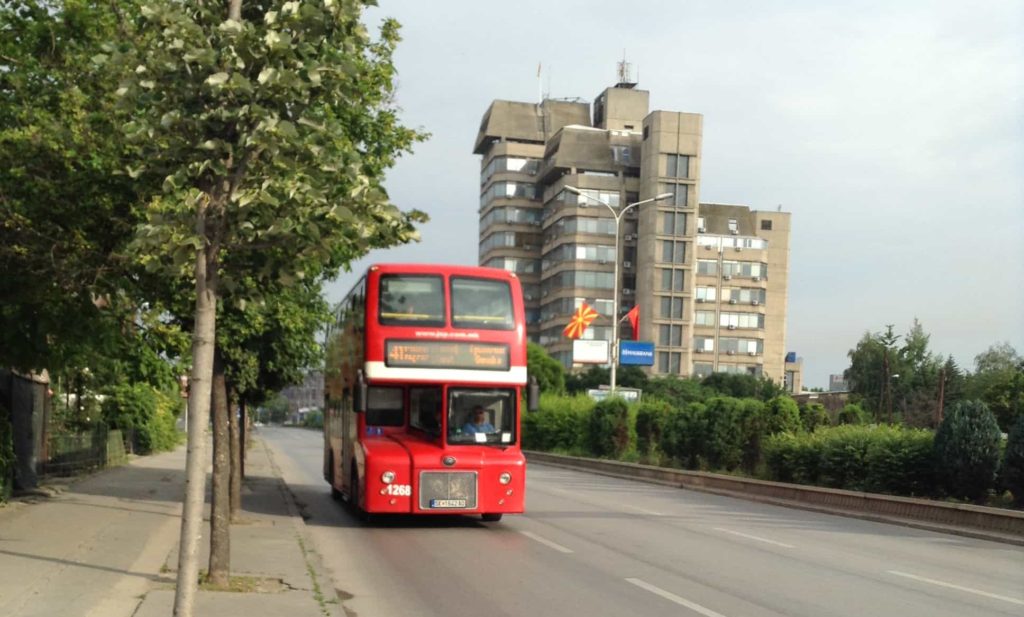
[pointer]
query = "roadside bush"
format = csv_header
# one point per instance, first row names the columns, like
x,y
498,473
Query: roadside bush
x,y
683,437
559,423
885,459
901,461
611,429
144,414
651,419
792,457
814,415
1012,469
725,432
967,450
781,416
853,413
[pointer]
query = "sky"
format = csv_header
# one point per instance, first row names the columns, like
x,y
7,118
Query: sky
x,y
892,131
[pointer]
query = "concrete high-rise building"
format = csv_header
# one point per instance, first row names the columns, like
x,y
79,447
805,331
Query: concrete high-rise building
x,y
710,281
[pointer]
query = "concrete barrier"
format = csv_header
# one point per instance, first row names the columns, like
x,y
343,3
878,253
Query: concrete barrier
x,y
962,519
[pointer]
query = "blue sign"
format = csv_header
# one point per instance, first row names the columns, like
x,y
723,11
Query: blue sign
x,y
636,353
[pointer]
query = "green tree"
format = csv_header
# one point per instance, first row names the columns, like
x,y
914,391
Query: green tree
x,y
998,380
814,415
853,413
270,126
675,390
549,372
593,377
1011,471
967,450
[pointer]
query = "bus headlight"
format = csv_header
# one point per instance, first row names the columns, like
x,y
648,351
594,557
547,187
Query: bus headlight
x,y
387,477
505,477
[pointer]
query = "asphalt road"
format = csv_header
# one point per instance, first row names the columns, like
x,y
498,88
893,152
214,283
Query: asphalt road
x,y
593,545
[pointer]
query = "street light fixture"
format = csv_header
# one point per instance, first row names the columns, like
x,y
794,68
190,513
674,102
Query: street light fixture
x,y
617,215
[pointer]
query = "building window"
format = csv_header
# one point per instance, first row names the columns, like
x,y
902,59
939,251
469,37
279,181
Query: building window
x,y
647,131
673,223
701,226
702,369
703,343
680,194
766,225
672,280
668,362
671,308
707,266
704,318
673,252
734,226
678,166
670,335
706,294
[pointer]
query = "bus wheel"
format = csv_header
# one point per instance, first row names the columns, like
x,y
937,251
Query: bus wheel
x,y
490,517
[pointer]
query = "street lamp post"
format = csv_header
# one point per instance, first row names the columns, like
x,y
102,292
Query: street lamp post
x,y
617,215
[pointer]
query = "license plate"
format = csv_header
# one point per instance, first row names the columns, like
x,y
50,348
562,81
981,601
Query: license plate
x,y
447,503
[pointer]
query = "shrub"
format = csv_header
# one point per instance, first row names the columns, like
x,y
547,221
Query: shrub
x,y
967,450
814,415
886,459
791,457
144,414
683,437
725,432
611,429
313,419
901,461
651,418
853,413
1012,469
781,416
558,424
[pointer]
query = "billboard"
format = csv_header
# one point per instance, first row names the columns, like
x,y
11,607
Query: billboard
x,y
636,353
589,352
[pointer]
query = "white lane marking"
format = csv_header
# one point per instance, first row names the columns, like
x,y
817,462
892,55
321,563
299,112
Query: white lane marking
x,y
546,542
693,606
750,537
643,511
957,587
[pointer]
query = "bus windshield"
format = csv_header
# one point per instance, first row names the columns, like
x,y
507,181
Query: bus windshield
x,y
478,416
411,299
479,303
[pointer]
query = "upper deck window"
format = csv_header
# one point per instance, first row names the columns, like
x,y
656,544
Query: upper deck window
x,y
481,303
408,299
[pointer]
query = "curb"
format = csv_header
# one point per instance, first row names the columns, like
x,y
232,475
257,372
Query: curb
x,y
695,480
323,591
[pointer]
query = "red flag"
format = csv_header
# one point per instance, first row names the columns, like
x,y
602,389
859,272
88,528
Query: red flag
x,y
580,320
634,320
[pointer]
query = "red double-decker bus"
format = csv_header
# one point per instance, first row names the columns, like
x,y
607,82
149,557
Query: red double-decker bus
x,y
426,367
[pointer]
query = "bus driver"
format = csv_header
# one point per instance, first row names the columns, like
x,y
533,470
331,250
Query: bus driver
x,y
478,422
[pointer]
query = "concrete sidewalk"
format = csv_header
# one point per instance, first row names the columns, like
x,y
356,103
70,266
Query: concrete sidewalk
x,y
106,546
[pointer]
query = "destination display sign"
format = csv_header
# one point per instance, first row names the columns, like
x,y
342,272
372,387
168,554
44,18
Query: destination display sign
x,y
447,354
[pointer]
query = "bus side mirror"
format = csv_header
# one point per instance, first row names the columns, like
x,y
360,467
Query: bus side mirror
x,y
533,395
361,394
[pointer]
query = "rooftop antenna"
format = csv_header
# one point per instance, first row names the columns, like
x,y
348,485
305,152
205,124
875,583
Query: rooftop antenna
x,y
540,86
625,71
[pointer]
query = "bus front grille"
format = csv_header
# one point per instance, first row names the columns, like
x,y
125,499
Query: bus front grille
x,y
447,490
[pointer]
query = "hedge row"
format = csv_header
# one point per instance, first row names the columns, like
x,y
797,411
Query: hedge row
x,y
770,439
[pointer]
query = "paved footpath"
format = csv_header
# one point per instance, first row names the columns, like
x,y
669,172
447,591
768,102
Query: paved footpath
x,y
106,546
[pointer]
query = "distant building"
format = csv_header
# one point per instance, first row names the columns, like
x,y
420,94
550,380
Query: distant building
x,y
710,279
838,383
308,394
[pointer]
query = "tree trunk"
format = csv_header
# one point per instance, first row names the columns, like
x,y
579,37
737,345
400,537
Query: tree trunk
x,y
235,434
220,508
203,337
243,423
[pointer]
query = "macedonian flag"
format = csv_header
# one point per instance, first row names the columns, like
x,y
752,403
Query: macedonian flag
x,y
580,320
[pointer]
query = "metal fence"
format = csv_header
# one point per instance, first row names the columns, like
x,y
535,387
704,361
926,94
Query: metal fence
x,y
71,453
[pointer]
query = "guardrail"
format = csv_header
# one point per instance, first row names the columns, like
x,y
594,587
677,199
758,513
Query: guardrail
x,y
962,519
